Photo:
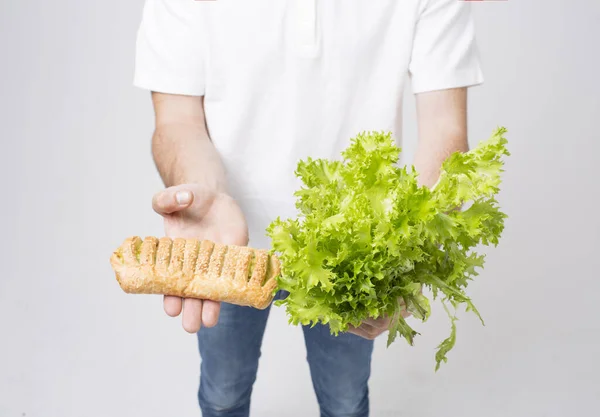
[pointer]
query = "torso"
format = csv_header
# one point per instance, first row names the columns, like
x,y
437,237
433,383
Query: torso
x,y
291,79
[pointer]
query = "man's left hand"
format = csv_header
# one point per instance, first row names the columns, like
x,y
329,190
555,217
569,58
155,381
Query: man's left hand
x,y
371,328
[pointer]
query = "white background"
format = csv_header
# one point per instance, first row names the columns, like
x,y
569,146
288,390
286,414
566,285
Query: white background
x,y
77,177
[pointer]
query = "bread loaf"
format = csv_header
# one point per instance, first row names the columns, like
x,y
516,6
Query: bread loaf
x,y
193,268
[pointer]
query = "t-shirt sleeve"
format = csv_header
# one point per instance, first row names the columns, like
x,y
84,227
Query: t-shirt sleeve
x,y
170,48
444,53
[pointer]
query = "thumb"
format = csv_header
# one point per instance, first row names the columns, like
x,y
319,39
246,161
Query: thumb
x,y
171,200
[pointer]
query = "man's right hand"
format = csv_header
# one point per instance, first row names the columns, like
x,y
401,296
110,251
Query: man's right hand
x,y
194,211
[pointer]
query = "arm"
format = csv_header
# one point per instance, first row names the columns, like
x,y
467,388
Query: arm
x,y
170,61
444,63
442,127
181,148
195,203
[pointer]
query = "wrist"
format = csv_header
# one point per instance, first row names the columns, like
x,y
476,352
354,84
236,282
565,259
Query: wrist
x,y
212,186
209,186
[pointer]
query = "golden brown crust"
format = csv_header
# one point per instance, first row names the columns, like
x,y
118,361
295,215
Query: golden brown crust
x,y
196,269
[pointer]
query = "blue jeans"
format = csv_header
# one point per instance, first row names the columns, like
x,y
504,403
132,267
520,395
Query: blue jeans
x,y
340,366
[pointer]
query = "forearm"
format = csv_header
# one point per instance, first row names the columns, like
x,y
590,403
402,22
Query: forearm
x,y
181,147
442,126
184,154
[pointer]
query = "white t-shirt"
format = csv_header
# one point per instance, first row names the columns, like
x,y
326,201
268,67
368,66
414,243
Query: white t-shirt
x,y
287,79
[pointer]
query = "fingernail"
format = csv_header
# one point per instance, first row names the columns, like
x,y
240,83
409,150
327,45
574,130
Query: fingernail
x,y
183,197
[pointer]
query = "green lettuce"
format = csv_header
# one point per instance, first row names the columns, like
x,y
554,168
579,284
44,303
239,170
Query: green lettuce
x,y
369,237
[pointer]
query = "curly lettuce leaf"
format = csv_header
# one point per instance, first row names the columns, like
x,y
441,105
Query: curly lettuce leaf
x,y
369,237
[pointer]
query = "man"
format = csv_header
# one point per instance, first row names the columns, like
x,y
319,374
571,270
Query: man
x,y
244,89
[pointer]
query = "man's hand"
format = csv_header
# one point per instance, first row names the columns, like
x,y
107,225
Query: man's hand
x,y
194,211
371,328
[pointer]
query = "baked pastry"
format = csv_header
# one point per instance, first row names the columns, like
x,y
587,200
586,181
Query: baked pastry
x,y
193,268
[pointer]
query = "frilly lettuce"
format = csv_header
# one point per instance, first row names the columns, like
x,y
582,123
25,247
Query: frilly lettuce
x,y
369,238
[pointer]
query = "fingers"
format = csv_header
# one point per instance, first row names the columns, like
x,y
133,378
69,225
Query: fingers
x,y
172,305
377,323
171,200
192,315
210,313
196,313
405,314
371,328
357,332
366,331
